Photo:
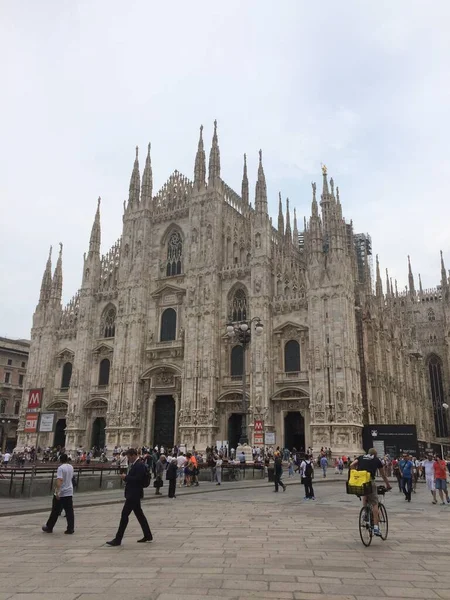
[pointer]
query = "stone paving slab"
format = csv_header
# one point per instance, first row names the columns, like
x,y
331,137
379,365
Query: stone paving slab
x,y
238,544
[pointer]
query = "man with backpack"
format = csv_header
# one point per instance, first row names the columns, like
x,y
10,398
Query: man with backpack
x,y
137,478
307,474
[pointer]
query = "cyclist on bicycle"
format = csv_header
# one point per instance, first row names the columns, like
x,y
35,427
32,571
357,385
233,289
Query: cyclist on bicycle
x,y
371,463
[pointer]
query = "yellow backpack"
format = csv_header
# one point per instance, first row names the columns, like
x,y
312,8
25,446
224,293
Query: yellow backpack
x,y
359,483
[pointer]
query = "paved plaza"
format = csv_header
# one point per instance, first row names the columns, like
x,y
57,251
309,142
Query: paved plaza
x,y
234,543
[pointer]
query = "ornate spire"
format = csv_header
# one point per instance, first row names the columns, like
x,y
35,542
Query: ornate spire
x,y
261,189
94,242
135,183
396,289
412,289
444,280
57,278
280,215
147,181
325,191
46,280
244,189
388,289
295,232
420,284
378,283
214,159
200,162
288,223
314,207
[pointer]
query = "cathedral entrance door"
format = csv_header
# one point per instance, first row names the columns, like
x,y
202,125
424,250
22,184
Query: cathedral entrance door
x,y
164,427
234,430
98,433
60,434
294,431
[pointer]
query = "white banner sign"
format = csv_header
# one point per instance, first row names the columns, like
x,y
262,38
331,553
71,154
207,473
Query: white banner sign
x,y
269,438
47,422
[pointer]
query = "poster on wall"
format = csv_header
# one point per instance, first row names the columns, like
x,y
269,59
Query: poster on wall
x,y
269,438
47,422
31,422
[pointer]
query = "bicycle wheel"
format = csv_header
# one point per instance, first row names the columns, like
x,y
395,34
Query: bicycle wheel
x,y
365,525
384,526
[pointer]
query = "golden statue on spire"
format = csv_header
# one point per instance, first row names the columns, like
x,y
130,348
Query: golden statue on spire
x,y
324,169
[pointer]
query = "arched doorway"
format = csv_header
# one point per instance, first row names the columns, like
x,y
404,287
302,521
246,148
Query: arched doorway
x,y
60,434
294,431
98,433
164,424
234,430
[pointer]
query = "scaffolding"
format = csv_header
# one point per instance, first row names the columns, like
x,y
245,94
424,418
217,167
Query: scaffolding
x,y
364,260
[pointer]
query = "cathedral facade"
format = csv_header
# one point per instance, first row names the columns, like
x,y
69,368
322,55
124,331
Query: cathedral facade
x,y
141,354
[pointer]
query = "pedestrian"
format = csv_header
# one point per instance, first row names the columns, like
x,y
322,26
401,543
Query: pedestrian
x,y
340,466
218,470
290,467
440,477
307,475
134,492
6,459
406,469
324,465
159,471
181,463
278,472
62,497
397,474
123,463
428,467
171,476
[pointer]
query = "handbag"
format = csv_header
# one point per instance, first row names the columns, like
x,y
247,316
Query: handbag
x,y
158,483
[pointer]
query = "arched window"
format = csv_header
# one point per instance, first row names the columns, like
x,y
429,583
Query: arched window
x,y
103,374
238,306
237,361
174,254
108,326
437,395
17,408
168,325
292,356
2,407
66,375
431,315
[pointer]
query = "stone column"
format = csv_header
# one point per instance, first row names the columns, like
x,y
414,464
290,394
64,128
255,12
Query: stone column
x,y
150,419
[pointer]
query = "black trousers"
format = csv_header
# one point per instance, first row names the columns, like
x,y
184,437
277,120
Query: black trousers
x,y
309,492
57,506
132,505
277,481
172,487
407,486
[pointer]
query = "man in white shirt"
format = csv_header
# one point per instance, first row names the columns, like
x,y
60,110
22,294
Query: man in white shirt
x,y
181,463
63,497
6,458
428,466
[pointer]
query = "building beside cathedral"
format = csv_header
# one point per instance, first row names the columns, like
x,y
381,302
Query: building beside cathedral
x,y
141,353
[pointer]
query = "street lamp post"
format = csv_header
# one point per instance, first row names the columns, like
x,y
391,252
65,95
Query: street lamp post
x,y
242,333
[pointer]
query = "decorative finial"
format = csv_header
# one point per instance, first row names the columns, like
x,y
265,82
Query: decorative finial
x,y
60,248
215,125
50,252
99,201
245,160
313,185
260,156
137,151
149,147
337,193
324,169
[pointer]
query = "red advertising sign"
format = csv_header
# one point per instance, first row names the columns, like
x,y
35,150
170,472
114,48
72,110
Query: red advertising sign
x,y
34,400
259,426
31,422
258,439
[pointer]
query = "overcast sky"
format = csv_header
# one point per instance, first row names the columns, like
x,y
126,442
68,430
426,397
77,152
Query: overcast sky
x,y
362,87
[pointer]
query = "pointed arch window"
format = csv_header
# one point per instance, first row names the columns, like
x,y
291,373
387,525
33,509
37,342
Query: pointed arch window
x,y
103,374
292,356
108,325
238,309
174,254
168,325
2,407
431,315
237,361
17,408
437,396
66,375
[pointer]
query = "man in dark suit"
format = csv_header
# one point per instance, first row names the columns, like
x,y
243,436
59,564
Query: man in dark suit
x,y
134,491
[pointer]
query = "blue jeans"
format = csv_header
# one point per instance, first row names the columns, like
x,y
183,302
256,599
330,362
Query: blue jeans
x,y
407,487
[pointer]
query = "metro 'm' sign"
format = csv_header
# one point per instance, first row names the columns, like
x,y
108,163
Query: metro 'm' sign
x,y
259,426
34,400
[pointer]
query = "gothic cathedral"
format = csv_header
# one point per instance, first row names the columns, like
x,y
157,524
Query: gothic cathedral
x,y
141,354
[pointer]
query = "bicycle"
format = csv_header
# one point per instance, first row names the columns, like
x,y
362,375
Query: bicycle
x,y
366,519
235,474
